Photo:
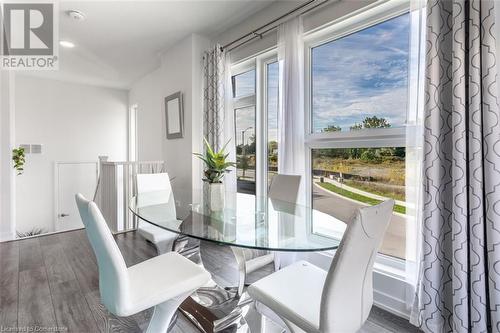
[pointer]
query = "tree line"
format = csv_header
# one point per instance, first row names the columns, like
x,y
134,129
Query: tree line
x,y
366,154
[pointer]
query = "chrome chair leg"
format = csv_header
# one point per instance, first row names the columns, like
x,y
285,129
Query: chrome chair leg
x,y
163,314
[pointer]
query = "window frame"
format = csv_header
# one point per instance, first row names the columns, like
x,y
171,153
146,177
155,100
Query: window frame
x,y
259,101
246,100
262,98
363,138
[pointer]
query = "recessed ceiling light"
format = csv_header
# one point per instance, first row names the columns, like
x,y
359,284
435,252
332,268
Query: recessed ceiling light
x,y
76,15
67,44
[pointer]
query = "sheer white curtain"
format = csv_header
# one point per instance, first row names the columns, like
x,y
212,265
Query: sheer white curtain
x,y
291,148
229,127
414,147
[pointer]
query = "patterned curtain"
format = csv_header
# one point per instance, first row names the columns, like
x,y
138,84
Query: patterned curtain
x,y
459,285
214,62
218,122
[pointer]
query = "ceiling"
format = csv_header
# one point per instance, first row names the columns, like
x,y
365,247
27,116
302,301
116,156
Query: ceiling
x,y
120,41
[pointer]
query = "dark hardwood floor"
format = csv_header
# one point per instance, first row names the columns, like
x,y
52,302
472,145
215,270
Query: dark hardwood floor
x,y
51,282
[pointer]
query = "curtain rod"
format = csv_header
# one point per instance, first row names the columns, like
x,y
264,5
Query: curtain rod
x,y
256,34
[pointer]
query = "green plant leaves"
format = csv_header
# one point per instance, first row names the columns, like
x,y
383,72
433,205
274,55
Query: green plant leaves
x,y
19,159
216,164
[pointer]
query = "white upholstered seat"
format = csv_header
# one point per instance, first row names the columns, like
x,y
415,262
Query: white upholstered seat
x,y
157,236
161,238
284,290
309,299
163,277
163,282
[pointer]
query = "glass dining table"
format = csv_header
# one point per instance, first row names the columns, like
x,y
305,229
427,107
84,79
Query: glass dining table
x,y
250,225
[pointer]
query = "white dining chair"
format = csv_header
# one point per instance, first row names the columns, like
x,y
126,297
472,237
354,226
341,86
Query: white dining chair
x,y
283,189
164,281
309,299
162,239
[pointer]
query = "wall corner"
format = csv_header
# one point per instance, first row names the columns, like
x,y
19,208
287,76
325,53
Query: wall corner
x,y
7,142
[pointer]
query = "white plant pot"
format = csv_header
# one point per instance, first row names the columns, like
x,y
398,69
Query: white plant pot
x,y
217,196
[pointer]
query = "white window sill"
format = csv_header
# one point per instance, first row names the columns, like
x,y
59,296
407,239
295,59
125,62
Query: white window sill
x,y
393,267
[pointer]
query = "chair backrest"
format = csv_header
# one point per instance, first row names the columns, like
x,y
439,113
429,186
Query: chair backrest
x,y
150,182
113,276
284,188
348,292
155,189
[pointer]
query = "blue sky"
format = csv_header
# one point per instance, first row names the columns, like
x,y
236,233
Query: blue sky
x,y
360,75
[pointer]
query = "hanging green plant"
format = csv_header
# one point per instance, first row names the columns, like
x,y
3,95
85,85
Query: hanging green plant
x,y
19,159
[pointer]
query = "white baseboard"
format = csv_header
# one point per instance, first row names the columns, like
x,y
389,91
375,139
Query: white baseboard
x,y
391,304
10,237
6,236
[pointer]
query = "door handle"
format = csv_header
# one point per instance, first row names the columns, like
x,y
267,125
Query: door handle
x,y
63,215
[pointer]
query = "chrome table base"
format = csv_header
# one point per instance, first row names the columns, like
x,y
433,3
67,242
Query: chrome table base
x,y
213,308
245,316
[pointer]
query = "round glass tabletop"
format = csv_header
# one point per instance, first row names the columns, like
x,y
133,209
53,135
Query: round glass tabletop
x,y
239,219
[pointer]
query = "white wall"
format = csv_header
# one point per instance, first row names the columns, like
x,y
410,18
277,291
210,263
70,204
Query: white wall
x,y
7,179
180,70
73,122
176,75
200,45
146,94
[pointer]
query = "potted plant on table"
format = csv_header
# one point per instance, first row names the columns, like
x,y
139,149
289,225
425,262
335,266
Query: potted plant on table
x,y
216,167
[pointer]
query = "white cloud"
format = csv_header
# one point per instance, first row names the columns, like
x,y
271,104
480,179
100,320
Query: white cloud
x,y
361,75
390,105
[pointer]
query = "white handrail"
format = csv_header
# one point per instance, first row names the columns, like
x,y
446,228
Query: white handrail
x,y
132,163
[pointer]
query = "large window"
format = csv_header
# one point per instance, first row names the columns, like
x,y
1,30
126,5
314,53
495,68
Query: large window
x,y
357,91
346,179
244,86
272,75
357,110
361,79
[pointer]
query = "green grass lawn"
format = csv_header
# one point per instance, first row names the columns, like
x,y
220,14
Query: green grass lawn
x,y
378,190
358,197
